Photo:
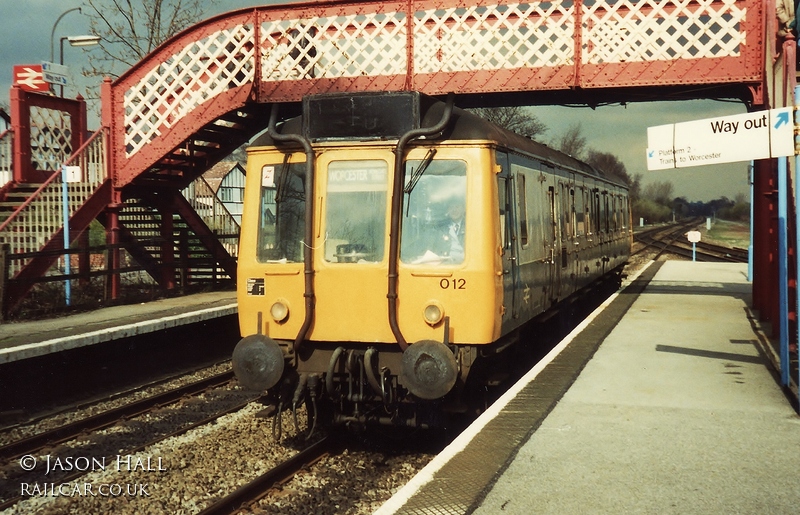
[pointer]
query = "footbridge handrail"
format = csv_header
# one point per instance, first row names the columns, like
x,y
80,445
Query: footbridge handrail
x,y
40,216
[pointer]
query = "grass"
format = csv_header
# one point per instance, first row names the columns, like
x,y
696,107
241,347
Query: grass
x,y
728,233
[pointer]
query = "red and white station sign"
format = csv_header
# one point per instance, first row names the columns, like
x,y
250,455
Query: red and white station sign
x,y
30,78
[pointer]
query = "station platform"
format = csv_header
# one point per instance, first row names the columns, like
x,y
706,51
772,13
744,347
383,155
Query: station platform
x,y
677,410
28,339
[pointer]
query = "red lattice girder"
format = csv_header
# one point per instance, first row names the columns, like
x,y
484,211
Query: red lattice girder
x,y
280,53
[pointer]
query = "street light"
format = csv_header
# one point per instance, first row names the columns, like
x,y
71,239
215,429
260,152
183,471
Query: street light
x,y
53,32
77,41
87,40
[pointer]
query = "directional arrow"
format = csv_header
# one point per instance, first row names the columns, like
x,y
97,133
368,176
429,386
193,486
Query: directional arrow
x,y
782,117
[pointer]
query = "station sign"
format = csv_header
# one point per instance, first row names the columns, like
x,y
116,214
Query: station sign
x,y
728,139
29,77
55,73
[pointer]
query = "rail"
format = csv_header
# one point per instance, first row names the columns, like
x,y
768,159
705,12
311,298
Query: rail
x,y
204,200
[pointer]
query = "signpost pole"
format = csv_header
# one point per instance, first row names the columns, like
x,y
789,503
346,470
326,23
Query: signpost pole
x,y
783,280
65,214
797,210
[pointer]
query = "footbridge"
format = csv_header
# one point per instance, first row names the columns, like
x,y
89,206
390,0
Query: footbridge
x,y
208,90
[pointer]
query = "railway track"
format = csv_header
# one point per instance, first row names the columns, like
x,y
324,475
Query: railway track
x,y
48,443
671,240
274,479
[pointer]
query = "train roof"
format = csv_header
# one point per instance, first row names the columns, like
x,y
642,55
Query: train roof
x,y
396,111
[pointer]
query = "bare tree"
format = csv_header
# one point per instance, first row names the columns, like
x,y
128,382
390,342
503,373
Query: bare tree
x,y
5,115
572,142
129,30
660,192
513,118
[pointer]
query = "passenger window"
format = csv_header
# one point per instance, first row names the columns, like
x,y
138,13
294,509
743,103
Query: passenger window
x,y
522,203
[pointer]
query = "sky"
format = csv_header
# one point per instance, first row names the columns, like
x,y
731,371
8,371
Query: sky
x,y
25,38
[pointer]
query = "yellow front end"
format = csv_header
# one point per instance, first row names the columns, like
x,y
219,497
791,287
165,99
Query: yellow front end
x,y
350,246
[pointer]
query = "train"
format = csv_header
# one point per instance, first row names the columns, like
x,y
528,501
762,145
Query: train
x,y
393,244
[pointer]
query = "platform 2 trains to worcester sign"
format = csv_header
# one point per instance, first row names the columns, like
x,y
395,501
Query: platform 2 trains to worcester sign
x,y
392,243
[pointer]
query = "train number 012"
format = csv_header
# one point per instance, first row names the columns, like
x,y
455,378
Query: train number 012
x,y
454,284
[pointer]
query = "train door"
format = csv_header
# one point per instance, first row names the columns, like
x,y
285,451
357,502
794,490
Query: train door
x,y
508,228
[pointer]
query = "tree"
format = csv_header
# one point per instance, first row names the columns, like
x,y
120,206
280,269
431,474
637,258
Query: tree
x,y
608,163
513,118
131,30
660,192
5,115
572,142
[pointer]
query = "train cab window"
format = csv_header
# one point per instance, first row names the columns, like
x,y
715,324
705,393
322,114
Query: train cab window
x,y
282,213
434,214
355,211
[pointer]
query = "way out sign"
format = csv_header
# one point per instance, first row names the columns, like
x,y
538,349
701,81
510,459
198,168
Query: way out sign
x,y
728,139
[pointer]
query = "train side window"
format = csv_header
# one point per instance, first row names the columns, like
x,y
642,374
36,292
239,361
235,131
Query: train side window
x,y
614,208
566,211
597,213
282,212
502,203
522,203
580,212
572,217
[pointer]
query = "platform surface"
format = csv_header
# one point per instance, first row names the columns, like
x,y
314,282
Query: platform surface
x,y
678,411
22,340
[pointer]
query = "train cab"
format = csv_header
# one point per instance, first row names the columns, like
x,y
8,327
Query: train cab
x,y
386,239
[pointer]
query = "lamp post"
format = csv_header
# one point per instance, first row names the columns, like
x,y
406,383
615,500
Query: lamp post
x,y
53,32
87,40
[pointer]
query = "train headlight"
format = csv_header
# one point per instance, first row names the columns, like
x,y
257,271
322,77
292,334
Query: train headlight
x,y
279,310
433,313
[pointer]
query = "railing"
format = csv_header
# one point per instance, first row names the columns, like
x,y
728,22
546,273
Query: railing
x,y
209,207
36,221
6,151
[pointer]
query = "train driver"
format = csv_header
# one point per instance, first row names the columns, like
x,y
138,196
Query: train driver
x,y
443,241
454,230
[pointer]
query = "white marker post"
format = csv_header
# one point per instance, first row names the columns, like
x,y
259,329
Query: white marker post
x,y
68,174
694,237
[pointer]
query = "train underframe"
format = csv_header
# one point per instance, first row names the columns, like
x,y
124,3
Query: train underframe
x,y
357,385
